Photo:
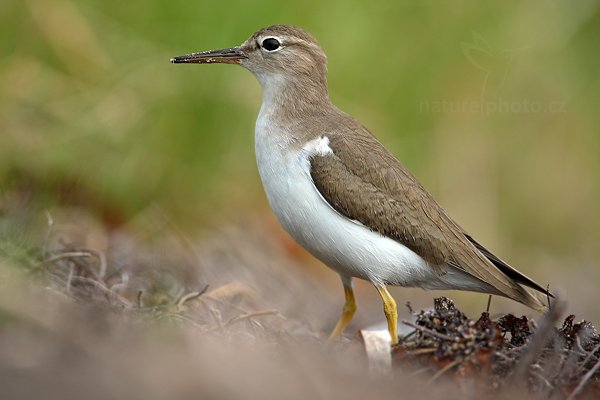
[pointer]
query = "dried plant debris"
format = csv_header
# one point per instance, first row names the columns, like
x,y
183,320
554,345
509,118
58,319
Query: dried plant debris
x,y
217,295
517,327
154,294
447,343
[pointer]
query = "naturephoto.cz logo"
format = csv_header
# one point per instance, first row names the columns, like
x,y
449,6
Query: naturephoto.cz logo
x,y
489,107
495,65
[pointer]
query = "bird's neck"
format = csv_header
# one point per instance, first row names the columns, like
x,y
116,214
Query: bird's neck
x,y
289,99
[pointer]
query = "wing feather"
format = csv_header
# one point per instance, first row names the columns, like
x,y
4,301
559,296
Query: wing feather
x,y
366,183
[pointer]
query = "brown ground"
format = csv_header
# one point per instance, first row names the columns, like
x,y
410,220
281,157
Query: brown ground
x,y
95,314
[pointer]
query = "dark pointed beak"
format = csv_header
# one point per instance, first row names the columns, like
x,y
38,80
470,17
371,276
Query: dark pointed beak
x,y
224,56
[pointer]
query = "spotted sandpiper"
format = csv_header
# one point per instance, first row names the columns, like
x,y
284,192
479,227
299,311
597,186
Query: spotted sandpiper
x,y
343,196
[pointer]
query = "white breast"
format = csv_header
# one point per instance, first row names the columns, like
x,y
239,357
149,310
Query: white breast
x,y
344,245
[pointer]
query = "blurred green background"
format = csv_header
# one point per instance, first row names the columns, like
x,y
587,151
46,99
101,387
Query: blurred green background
x,y
492,105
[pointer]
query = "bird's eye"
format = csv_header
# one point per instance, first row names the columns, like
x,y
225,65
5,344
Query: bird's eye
x,y
271,44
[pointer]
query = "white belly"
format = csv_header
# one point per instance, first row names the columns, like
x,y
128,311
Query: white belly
x,y
344,245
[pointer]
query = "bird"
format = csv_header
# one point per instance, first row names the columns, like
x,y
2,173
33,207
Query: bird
x,y
343,196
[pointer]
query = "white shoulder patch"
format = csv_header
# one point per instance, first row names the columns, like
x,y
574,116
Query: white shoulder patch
x,y
318,146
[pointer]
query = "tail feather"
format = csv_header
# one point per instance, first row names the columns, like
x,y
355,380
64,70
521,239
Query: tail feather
x,y
534,299
512,273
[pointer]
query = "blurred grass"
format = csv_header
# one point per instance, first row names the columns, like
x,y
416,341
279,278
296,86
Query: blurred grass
x,y
92,114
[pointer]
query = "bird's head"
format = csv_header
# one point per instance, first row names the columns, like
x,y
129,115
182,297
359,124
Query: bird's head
x,y
273,54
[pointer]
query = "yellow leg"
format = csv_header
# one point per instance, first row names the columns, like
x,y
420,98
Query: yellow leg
x,y
347,314
391,312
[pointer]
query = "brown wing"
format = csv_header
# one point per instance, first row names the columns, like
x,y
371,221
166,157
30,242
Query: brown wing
x,y
364,182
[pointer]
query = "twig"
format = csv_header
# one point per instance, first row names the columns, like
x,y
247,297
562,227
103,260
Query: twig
x,y
99,285
442,371
140,302
430,332
417,352
584,381
239,318
589,356
224,302
190,296
181,317
70,276
579,346
62,256
503,356
419,371
487,309
122,284
217,317
92,282
543,379
539,340
102,260
408,335
78,254
48,232
568,361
